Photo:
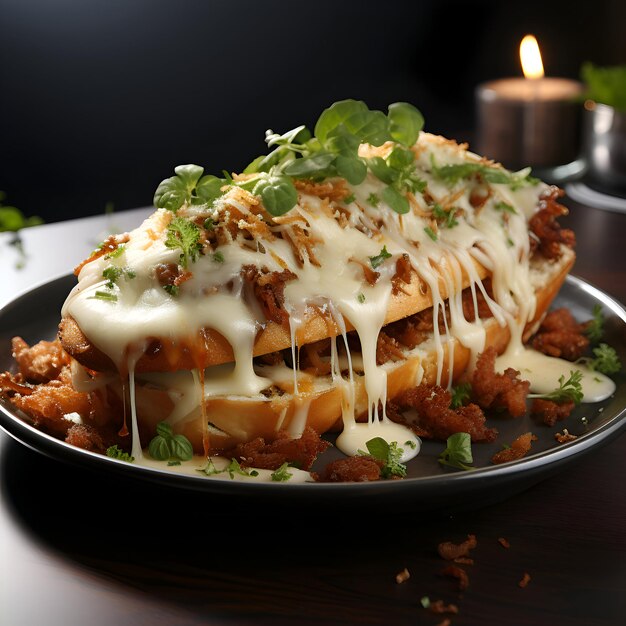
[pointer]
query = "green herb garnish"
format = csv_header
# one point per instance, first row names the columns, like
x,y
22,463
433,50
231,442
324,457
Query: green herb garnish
x,y
172,289
446,218
282,474
595,327
452,174
460,395
431,233
503,206
570,389
361,297
389,453
458,452
374,200
104,295
332,150
115,452
377,260
606,360
188,187
167,446
183,234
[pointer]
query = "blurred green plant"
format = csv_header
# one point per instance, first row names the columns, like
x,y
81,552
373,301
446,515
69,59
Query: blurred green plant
x,y
12,219
605,85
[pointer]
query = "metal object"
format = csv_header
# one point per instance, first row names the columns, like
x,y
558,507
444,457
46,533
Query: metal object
x,y
521,122
604,145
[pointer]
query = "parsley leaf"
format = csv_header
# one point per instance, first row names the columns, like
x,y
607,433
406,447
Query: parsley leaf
x,y
570,389
183,234
606,360
281,474
460,395
458,452
115,452
595,327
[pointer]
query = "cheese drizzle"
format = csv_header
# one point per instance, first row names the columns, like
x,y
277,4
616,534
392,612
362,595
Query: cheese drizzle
x,y
345,236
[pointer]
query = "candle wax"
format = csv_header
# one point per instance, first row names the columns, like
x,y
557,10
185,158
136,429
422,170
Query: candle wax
x,y
532,89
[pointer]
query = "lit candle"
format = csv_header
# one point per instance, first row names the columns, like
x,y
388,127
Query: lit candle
x,y
532,120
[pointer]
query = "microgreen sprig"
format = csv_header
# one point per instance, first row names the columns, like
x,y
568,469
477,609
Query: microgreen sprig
x,y
332,150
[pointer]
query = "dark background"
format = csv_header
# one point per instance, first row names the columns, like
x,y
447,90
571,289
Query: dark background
x,y
100,99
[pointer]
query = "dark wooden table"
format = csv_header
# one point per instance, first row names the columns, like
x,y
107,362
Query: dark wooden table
x,y
82,548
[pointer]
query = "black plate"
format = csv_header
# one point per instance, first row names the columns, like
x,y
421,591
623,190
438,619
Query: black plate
x,y
34,315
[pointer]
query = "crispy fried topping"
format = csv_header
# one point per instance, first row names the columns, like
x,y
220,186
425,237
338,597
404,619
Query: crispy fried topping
x,y
519,448
498,391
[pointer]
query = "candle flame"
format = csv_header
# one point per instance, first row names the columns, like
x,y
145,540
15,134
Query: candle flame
x,y
532,66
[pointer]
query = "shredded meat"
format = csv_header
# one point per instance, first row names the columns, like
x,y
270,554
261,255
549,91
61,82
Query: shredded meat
x,y
352,469
412,330
519,448
403,273
451,551
171,274
41,362
550,236
387,349
552,412
300,452
560,335
498,391
435,419
269,290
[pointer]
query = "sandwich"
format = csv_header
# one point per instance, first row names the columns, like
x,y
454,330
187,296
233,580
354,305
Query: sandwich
x,y
336,273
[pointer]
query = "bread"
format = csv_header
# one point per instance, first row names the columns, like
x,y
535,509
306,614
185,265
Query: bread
x,y
220,297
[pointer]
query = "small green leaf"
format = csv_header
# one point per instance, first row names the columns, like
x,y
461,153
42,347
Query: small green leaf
x,y
312,166
277,193
377,260
335,115
174,192
378,448
282,474
159,448
352,169
208,190
380,168
458,452
395,200
406,123
181,448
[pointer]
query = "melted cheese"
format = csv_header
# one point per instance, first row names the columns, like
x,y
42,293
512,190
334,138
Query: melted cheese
x,y
334,282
